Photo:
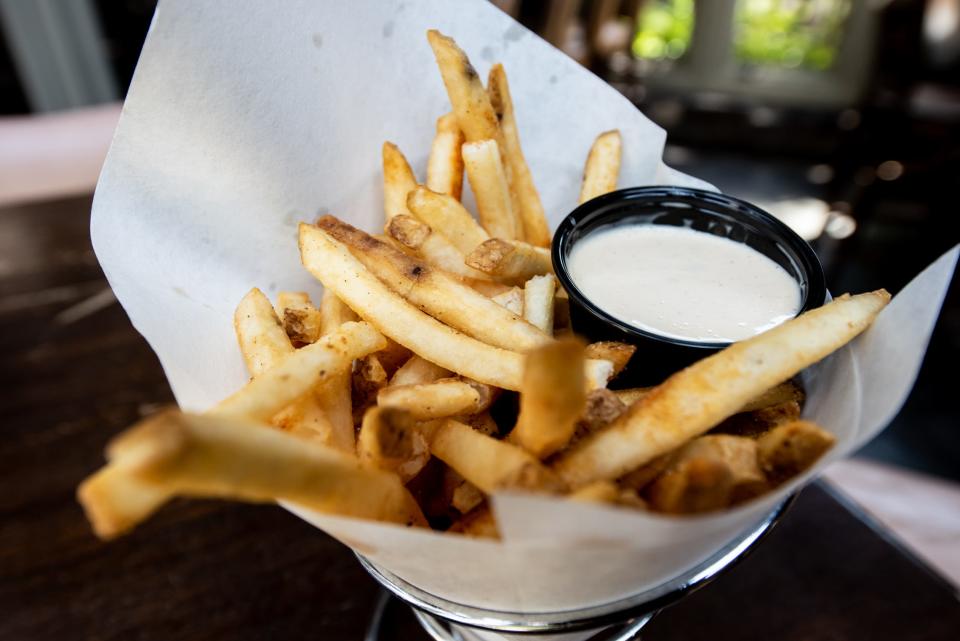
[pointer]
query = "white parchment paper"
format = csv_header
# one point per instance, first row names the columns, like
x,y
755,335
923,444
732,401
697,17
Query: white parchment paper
x,y
245,117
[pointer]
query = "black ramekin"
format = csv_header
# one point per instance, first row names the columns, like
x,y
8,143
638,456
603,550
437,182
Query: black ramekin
x,y
659,356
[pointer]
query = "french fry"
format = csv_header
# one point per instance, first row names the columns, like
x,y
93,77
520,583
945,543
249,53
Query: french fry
x,y
482,422
538,296
263,342
757,422
418,370
552,397
333,265
561,312
436,293
334,313
597,492
335,395
617,353
398,181
479,523
491,289
512,299
389,440
530,210
446,216
306,418
603,166
466,496
488,463
641,477
445,166
789,449
300,372
230,457
632,395
695,399
599,372
300,319
783,393
602,408
471,105
439,399
115,503
488,180
434,248
511,262
368,378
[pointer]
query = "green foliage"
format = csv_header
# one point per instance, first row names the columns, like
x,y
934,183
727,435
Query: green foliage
x,y
665,27
790,33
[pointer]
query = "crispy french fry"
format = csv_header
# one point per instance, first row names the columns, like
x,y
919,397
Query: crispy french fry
x,y
306,418
115,503
552,397
368,378
599,372
538,296
692,401
737,453
617,353
436,249
333,265
632,395
334,396
597,492
436,293
300,319
230,457
602,408
757,422
512,299
783,393
334,313
466,497
641,477
789,449
603,166
300,372
482,422
446,216
694,485
471,105
530,210
418,370
491,289
439,399
398,181
389,440
488,180
479,523
445,166
488,463
511,262
263,342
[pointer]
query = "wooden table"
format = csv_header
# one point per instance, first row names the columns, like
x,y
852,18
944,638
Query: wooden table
x,y
74,372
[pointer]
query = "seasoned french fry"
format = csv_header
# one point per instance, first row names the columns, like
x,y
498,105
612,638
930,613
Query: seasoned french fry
x,y
445,166
418,370
300,372
335,395
599,373
398,181
439,399
446,216
263,342
114,502
641,477
603,166
789,449
389,440
471,105
561,312
479,523
436,293
466,497
488,463
538,296
695,399
491,289
368,378
530,210
512,299
482,422
552,397
300,319
757,422
511,262
334,313
436,249
694,485
230,457
597,492
783,393
488,180
737,453
602,408
617,353
333,265
306,418
633,394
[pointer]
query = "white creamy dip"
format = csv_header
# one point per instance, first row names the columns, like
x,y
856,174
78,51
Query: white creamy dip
x,y
682,283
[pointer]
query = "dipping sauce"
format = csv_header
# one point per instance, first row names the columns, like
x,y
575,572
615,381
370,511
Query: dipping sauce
x,y
682,283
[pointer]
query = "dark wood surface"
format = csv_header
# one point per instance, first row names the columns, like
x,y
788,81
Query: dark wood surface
x,y
210,570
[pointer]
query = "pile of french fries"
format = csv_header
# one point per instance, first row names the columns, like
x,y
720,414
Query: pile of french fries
x,y
440,368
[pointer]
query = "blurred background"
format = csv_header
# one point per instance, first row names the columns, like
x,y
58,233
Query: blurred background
x,y
841,117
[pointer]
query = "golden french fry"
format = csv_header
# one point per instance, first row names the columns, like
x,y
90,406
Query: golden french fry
x,y
466,497
757,422
694,485
436,249
603,166
602,408
389,440
552,397
482,422
617,353
783,393
115,503
737,453
436,293
230,457
597,492
300,319
301,372
538,295
633,394
599,372
491,289
333,313
789,449
369,377
488,463
439,399
488,180
333,265
445,166
446,216
398,181
530,210
334,396
263,342
512,299
641,477
479,523
418,370
511,262
695,399
306,418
